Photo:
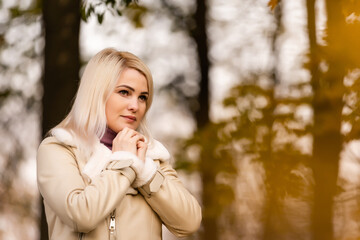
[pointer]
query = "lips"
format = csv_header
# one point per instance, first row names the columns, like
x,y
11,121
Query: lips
x,y
129,118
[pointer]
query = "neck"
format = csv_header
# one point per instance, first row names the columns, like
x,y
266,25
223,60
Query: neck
x,y
108,138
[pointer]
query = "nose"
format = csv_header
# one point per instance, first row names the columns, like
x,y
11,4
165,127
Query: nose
x,y
133,104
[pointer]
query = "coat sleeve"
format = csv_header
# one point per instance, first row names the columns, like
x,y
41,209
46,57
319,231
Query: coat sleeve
x,y
77,204
177,208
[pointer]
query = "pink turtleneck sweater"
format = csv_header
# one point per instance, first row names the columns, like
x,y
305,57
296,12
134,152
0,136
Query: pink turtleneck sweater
x,y
108,138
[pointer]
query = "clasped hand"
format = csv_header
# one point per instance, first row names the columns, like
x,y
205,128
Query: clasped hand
x,y
131,141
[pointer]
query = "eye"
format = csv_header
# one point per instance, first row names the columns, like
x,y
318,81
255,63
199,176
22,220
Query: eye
x,y
143,98
124,92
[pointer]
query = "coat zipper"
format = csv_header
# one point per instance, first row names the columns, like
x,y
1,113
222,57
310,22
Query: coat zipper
x,y
81,236
112,229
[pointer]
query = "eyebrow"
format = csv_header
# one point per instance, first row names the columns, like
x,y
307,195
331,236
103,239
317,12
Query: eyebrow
x,y
132,89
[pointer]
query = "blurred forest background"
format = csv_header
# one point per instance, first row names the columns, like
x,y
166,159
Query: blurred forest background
x,y
258,100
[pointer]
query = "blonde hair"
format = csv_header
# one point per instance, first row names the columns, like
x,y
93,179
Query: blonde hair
x,y
87,120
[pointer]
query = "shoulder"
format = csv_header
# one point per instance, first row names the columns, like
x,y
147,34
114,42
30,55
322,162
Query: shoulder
x,y
60,142
64,136
60,137
52,146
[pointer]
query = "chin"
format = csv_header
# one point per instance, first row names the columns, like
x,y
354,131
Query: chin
x,y
129,126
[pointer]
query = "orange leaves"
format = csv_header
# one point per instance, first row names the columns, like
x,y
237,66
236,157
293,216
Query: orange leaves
x,y
350,7
273,3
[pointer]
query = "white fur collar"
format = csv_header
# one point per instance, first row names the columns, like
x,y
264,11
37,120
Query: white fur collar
x,y
155,150
63,136
102,156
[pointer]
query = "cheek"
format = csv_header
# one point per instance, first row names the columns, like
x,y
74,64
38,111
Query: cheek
x,y
109,108
142,111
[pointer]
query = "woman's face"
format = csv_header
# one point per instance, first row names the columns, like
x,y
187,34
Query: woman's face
x,y
126,105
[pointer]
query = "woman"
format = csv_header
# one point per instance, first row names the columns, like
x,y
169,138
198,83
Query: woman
x,y
100,173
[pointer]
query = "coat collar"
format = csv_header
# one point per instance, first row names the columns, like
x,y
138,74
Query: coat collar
x,y
156,150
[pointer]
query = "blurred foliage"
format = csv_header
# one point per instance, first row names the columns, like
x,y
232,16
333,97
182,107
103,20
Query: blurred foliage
x,y
265,127
262,130
350,7
17,12
20,97
270,127
352,110
182,20
343,51
273,3
99,8
212,145
13,72
347,47
269,130
334,104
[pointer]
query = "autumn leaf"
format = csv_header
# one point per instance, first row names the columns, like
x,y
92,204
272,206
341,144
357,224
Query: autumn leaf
x,y
273,3
351,7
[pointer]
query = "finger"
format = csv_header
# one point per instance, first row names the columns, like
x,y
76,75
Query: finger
x,y
141,150
141,144
122,139
125,133
141,137
122,133
136,139
130,133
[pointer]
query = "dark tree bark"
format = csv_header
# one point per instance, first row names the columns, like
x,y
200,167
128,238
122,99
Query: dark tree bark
x,y
271,205
201,39
327,105
62,62
210,228
61,19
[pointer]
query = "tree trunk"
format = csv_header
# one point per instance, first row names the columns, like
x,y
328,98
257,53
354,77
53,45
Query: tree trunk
x,y
62,62
210,230
327,105
200,36
61,19
271,205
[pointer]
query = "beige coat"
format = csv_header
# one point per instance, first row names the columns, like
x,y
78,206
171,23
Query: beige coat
x,y
79,207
